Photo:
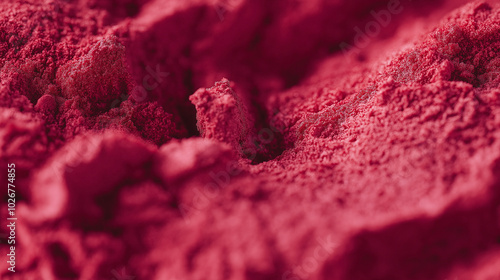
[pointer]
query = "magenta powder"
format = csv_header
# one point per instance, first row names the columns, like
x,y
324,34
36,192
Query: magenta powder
x,y
243,140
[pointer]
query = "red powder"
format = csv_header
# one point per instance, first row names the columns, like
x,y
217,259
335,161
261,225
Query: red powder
x,y
81,80
136,159
222,115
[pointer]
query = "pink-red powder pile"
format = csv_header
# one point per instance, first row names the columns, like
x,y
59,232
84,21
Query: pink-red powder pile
x,y
239,139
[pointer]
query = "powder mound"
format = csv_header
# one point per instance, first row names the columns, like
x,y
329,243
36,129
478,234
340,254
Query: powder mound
x,y
464,48
90,166
147,120
33,48
96,79
388,168
11,96
26,79
154,124
21,133
222,115
46,104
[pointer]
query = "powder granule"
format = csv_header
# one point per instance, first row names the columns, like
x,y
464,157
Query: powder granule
x,y
81,80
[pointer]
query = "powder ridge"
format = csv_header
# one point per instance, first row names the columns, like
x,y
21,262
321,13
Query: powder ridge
x,y
238,140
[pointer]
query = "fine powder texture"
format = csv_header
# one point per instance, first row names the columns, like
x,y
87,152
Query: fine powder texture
x,y
251,139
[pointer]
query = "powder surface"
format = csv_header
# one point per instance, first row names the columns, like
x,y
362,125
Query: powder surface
x,y
244,139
